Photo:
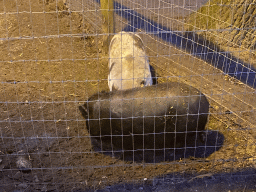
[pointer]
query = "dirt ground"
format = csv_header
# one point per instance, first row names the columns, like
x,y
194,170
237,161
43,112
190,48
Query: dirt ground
x,y
51,62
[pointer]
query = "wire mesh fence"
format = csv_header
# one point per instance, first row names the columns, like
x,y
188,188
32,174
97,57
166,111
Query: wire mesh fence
x,y
187,123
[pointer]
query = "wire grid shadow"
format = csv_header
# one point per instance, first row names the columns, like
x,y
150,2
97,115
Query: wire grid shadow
x,y
52,61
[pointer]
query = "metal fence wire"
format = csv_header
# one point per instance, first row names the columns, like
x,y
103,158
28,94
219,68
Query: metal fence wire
x,y
164,101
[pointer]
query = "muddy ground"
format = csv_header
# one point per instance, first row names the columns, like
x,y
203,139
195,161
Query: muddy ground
x,y
51,62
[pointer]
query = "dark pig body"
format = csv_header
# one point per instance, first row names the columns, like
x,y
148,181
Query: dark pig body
x,y
151,117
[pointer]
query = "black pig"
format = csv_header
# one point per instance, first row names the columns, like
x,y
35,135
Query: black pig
x,y
152,117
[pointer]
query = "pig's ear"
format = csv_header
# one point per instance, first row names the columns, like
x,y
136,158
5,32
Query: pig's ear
x,y
83,111
114,88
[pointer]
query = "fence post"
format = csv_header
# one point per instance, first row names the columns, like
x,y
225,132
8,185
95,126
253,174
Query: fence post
x,y
107,10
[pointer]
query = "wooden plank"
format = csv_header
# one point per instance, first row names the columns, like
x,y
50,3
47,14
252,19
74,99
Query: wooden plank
x,y
107,11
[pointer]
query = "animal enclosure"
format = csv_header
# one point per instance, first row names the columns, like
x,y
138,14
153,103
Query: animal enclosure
x,y
54,59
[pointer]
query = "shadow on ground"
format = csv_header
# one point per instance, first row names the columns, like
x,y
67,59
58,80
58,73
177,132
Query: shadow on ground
x,y
198,149
236,181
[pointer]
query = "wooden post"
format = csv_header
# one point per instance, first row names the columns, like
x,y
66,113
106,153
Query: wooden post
x,y
107,10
